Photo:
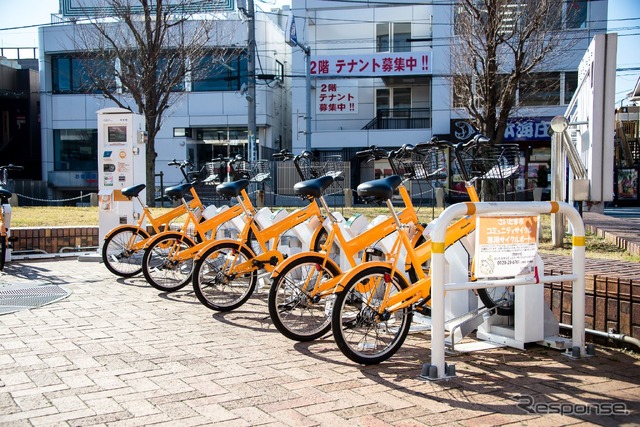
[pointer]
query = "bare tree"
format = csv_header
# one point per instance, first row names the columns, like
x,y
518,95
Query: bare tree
x,y
139,54
498,45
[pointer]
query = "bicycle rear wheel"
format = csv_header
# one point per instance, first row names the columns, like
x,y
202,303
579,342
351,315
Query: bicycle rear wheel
x,y
362,333
160,266
215,283
118,255
293,311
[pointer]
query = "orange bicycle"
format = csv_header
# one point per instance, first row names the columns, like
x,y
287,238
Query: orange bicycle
x,y
373,312
123,246
226,271
168,261
304,286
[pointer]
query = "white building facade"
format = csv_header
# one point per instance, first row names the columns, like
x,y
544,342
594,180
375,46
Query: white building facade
x,y
208,116
381,75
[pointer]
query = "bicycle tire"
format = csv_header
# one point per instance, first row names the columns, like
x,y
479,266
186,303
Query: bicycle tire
x,y
120,260
360,333
293,313
502,297
3,251
160,271
214,288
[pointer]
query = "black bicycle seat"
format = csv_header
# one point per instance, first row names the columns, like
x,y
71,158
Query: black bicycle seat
x,y
178,191
380,188
233,188
313,187
133,191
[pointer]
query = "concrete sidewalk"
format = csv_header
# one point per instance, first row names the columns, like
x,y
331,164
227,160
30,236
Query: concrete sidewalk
x,y
118,352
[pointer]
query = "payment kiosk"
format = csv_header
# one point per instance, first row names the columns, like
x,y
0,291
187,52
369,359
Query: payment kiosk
x,y
121,164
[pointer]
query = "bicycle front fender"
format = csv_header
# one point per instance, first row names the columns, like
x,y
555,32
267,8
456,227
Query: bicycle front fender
x,y
215,242
349,275
294,258
120,227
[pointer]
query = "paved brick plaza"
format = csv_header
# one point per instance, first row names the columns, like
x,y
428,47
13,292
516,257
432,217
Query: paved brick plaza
x,y
118,352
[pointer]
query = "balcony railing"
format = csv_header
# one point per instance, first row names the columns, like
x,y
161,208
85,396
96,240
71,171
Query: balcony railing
x,y
401,118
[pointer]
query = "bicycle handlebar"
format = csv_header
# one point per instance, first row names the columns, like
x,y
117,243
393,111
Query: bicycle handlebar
x,y
477,140
374,153
11,167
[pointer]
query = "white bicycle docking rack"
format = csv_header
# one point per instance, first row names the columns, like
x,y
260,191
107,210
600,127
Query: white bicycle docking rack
x,y
504,249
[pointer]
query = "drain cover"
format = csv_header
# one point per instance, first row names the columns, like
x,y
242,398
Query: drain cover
x,y
24,296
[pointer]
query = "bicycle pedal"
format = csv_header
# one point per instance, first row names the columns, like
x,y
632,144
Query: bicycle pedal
x,y
425,311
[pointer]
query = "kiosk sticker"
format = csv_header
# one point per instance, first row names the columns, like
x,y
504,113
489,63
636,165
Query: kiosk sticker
x,y
506,246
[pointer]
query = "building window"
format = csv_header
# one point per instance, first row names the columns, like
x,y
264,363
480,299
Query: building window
x,y
570,85
279,71
220,74
540,89
72,74
572,12
75,149
576,13
170,69
393,37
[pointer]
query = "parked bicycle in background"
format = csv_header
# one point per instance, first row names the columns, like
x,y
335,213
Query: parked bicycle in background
x,y
5,217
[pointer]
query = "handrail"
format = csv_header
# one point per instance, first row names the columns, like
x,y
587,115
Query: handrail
x,y
437,368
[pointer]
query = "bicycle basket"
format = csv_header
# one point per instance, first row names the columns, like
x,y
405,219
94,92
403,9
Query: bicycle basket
x,y
492,162
241,170
424,165
311,168
260,171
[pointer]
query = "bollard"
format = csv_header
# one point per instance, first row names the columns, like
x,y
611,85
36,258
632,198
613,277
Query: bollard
x,y
348,198
93,199
440,197
13,201
260,199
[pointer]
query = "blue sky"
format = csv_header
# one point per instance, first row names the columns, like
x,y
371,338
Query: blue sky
x,y
624,18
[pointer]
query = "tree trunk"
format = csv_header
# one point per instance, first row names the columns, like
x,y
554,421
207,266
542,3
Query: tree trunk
x,y
151,163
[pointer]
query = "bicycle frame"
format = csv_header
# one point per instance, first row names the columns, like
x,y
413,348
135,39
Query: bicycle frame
x,y
420,290
157,223
201,228
269,258
351,248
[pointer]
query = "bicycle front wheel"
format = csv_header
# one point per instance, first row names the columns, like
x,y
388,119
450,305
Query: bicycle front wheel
x,y
502,297
363,333
161,266
216,281
296,314
118,252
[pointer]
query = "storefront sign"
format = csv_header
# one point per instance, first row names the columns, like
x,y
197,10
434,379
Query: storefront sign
x,y
336,96
370,65
518,129
506,246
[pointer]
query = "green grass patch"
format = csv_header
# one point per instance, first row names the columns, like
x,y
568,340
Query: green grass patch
x,y
596,247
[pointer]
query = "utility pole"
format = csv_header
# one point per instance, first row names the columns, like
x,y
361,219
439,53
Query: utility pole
x,y
291,38
251,86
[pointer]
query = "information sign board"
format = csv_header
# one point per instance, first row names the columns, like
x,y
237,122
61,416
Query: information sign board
x,y
506,246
